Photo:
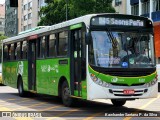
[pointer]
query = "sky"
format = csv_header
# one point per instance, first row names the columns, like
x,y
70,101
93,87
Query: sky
x,y
2,1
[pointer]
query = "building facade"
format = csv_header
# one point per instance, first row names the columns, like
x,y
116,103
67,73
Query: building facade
x,y
11,20
121,6
151,9
28,13
2,18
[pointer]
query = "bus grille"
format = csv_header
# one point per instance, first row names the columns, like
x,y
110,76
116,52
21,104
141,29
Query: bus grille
x,y
115,84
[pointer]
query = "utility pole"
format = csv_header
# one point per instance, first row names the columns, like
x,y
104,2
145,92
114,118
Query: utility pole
x,y
66,10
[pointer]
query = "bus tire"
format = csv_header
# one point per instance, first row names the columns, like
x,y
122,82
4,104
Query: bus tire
x,y
21,91
118,102
65,94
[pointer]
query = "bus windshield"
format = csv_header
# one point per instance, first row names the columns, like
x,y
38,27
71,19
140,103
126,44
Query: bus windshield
x,y
119,49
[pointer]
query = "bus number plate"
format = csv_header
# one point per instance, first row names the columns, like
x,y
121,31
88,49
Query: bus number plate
x,y
128,91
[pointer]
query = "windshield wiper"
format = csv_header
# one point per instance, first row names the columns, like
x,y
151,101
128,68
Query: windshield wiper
x,y
112,38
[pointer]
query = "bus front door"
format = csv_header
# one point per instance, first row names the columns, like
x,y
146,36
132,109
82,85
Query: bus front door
x,y
76,62
32,66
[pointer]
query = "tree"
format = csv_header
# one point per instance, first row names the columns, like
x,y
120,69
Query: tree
x,y
2,37
53,13
55,10
81,7
103,6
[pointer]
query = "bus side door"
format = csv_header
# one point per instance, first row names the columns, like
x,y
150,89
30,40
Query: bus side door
x,y
32,65
77,66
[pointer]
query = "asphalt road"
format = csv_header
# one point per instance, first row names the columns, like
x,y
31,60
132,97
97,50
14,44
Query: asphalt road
x,y
47,107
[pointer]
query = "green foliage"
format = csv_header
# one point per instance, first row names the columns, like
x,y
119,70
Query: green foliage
x,y
2,37
55,10
81,7
103,6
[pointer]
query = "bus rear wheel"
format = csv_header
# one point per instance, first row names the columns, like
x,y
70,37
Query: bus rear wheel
x,y
65,92
118,102
21,91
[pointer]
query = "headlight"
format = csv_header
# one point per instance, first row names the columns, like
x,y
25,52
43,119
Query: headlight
x,y
99,81
153,82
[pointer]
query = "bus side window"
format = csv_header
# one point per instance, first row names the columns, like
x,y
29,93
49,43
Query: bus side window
x,y
52,39
18,51
15,52
12,56
5,54
24,50
42,47
9,51
63,43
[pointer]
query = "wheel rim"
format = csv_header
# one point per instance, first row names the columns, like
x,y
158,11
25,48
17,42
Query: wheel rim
x,y
66,93
20,88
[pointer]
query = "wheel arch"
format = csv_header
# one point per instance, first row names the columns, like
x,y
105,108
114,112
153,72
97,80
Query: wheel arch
x,y
61,80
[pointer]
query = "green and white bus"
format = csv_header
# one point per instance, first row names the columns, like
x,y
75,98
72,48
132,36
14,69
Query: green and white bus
x,y
68,59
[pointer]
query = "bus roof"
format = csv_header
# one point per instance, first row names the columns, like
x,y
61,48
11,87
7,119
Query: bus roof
x,y
31,30
85,19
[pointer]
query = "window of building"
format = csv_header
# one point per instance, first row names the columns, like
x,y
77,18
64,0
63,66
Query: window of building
x,y
156,5
41,3
29,15
29,5
145,7
118,2
25,7
135,9
63,43
29,26
25,28
25,17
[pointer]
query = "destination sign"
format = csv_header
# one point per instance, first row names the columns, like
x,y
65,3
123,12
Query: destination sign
x,y
117,21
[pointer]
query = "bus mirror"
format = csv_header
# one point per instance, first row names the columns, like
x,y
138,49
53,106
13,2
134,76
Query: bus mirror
x,y
88,37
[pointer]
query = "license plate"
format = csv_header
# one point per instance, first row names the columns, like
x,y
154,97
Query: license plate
x,y
128,91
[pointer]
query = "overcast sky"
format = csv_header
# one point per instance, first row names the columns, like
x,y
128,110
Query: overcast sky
x,y
2,1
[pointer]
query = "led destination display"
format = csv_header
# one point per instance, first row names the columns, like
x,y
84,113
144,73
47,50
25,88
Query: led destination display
x,y
116,21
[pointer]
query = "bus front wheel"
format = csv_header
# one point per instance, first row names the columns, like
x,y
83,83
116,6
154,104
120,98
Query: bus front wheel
x,y
20,88
66,99
118,102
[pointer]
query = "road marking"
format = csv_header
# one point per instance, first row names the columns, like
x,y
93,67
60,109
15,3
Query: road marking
x,y
30,106
16,102
58,106
23,118
142,107
5,109
61,115
6,100
65,113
